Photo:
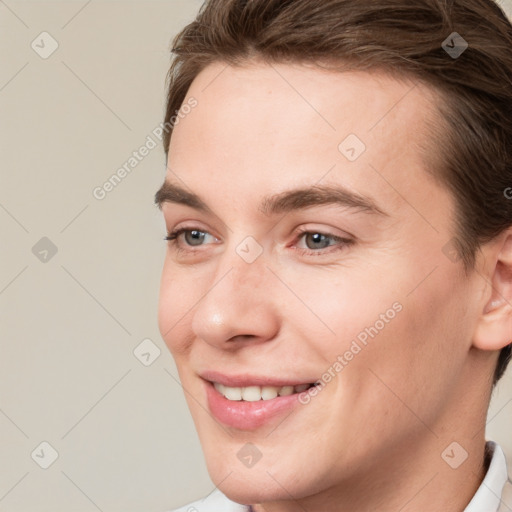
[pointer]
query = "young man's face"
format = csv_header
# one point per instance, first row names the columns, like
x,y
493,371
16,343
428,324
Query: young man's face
x,y
368,301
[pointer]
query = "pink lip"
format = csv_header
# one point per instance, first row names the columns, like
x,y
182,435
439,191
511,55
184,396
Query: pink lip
x,y
247,415
241,381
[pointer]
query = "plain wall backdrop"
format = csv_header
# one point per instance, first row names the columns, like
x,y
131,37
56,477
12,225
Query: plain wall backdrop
x,y
82,86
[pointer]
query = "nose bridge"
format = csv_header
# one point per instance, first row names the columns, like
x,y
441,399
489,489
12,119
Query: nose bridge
x,y
244,266
237,302
240,276
249,264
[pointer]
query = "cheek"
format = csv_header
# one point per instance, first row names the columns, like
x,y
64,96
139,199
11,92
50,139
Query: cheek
x,y
348,305
175,301
419,355
387,322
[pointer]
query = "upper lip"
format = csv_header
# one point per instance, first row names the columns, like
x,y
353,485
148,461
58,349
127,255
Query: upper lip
x,y
245,380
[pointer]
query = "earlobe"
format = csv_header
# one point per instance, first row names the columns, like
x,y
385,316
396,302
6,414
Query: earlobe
x,y
494,328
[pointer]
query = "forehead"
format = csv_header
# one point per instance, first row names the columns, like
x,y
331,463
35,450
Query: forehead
x,y
261,125
327,103
290,105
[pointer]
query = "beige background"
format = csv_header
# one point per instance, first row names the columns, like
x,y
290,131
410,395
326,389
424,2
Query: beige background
x,y
70,324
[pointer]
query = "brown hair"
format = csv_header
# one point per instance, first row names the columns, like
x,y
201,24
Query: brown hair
x,y
473,150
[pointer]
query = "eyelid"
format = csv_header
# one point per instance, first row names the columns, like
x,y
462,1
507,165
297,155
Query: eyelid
x,y
328,231
190,225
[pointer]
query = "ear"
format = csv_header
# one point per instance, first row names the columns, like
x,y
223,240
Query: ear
x,y
494,328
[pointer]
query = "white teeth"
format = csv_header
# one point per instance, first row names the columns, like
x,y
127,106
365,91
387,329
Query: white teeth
x,y
286,390
251,394
269,392
233,393
256,393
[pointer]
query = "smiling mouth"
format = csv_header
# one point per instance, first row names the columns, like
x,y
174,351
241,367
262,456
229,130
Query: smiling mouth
x,y
256,393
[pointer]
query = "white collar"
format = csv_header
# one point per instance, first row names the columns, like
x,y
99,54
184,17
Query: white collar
x,y
492,495
488,497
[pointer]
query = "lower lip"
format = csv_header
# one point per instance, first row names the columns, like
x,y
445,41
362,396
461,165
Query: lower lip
x,y
247,415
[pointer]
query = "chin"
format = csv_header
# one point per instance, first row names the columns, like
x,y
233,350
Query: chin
x,y
248,489
264,482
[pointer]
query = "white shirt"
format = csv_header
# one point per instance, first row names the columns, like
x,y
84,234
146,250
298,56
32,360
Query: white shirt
x,y
493,495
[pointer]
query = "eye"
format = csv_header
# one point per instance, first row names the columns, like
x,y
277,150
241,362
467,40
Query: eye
x,y
193,237
186,239
316,241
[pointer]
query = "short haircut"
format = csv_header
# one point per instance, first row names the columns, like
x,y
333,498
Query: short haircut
x,y
469,148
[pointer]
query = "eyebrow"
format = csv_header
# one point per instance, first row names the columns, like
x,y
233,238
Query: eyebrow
x,y
283,202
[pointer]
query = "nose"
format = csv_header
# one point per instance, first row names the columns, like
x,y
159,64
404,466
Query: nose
x,y
238,304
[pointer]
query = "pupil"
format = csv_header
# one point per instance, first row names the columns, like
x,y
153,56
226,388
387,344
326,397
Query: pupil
x,y
317,238
196,236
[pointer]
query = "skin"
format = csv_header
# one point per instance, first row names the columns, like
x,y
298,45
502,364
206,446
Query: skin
x,y
372,439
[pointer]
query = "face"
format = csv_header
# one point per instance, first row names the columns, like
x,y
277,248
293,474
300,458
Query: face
x,y
313,250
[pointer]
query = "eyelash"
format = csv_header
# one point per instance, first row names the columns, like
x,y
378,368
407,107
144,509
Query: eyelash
x,y
172,238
